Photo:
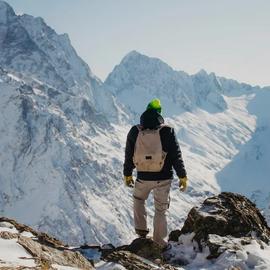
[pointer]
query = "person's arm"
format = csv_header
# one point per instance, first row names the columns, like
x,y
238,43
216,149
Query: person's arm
x,y
176,155
129,151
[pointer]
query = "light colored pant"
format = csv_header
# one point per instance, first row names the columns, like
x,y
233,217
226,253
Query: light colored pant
x,y
161,191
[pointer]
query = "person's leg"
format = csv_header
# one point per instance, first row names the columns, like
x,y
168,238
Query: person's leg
x,y
162,200
140,194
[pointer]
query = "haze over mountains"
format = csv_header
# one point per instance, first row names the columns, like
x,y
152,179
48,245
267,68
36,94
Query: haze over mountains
x,y
62,134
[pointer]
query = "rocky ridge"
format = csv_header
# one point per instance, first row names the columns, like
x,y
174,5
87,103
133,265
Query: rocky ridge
x,y
223,226
40,250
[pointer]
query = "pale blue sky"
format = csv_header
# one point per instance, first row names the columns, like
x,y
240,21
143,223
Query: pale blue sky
x,y
228,37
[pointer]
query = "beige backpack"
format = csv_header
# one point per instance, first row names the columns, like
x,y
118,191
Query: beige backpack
x,y
148,153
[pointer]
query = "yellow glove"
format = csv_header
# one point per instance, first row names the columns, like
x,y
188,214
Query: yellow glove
x,y
183,183
129,181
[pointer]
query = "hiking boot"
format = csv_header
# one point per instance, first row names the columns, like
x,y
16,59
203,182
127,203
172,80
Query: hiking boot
x,y
142,233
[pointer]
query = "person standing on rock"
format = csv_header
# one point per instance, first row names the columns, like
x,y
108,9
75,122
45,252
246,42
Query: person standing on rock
x,y
152,149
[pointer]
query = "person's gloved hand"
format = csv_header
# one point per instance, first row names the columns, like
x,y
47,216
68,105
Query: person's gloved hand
x,y
183,183
129,182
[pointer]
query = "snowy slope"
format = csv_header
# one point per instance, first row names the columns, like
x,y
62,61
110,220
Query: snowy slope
x,y
248,171
54,172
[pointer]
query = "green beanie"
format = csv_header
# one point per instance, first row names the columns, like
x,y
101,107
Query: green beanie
x,y
154,105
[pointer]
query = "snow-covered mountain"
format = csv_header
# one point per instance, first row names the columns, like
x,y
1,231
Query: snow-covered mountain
x,y
59,166
28,45
222,125
145,77
63,131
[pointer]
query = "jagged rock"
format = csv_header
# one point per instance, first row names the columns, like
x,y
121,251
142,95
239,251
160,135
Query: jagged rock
x,y
8,235
146,248
228,214
141,254
43,249
43,238
128,260
54,255
132,261
225,214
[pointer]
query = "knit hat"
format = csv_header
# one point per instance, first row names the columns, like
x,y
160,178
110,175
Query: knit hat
x,y
154,105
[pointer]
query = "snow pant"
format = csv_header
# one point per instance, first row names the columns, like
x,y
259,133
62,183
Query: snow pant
x,y
161,190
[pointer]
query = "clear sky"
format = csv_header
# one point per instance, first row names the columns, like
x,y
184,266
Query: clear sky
x,y
228,37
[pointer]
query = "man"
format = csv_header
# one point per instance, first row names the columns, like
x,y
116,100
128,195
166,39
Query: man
x,y
153,175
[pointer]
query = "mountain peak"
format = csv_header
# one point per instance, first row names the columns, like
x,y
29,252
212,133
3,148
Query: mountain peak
x,y
202,72
137,60
36,25
133,56
133,53
6,12
50,56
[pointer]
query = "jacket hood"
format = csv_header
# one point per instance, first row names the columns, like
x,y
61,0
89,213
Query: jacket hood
x,y
151,119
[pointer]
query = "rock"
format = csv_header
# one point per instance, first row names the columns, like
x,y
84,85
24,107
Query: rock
x,y
53,255
8,235
225,214
224,222
132,261
141,254
42,237
146,248
45,250
129,260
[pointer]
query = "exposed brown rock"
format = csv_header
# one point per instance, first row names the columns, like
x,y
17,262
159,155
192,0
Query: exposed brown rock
x,y
146,248
42,237
225,214
8,235
44,249
142,253
133,262
53,255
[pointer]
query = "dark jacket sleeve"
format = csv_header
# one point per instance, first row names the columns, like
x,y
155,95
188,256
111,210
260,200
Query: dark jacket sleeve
x,y
129,151
175,155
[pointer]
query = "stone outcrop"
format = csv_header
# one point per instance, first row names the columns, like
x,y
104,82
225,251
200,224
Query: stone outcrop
x,y
226,222
227,215
46,251
132,261
43,238
141,254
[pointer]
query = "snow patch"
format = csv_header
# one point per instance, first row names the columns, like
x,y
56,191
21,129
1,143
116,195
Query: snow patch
x,y
13,254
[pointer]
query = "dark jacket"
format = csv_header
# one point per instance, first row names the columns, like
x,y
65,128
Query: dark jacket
x,y
152,119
